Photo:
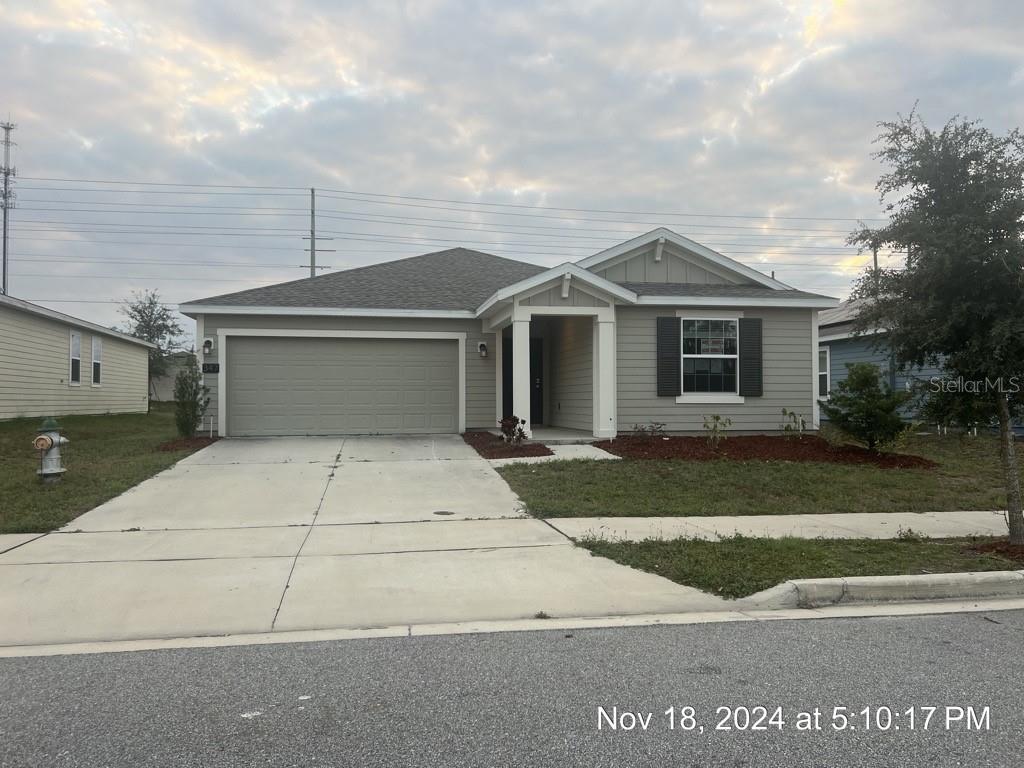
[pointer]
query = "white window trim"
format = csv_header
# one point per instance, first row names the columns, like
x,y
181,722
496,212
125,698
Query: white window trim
x,y
71,357
92,376
828,374
222,358
724,398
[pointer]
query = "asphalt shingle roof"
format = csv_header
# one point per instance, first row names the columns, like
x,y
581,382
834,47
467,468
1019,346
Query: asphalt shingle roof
x,y
727,290
456,279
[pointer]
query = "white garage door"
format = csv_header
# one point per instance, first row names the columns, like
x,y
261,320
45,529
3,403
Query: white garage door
x,y
330,386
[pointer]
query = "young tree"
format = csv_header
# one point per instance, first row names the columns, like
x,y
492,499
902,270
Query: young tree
x,y
190,398
955,202
865,409
150,320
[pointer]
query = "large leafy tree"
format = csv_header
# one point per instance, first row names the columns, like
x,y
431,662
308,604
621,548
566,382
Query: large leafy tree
x,y
149,319
955,204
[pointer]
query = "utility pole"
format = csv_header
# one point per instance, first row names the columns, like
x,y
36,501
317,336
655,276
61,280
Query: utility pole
x,y
7,201
312,235
874,256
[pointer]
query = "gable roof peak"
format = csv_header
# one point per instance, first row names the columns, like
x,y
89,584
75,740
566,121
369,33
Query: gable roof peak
x,y
686,244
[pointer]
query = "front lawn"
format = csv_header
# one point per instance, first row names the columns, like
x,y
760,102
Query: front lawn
x,y
967,477
107,456
740,566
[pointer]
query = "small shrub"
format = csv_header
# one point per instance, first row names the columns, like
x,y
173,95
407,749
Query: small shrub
x,y
715,427
864,408
650,431
793,424
512,431
190,399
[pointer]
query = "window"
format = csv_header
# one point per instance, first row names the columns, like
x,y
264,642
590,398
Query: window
x,y
75,375
824,379
710,355
97,361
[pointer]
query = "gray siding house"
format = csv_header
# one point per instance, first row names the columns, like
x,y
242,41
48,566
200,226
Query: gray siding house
x,y
659,328
53,364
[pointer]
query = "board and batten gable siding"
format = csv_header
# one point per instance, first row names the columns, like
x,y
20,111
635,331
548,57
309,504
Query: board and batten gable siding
x,y
480,391
552,297
787,373
571,374
34,370
674,267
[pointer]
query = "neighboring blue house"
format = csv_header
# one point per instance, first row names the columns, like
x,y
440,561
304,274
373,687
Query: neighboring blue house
x,y
839,347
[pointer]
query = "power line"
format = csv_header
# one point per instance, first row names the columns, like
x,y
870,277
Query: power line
x,y
49,258
439,200
141,277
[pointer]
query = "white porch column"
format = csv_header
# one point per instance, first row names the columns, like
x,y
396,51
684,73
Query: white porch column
x,y
521,372
499,374
604,379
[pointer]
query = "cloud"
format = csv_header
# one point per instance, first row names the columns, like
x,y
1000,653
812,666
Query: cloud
x,y
761,109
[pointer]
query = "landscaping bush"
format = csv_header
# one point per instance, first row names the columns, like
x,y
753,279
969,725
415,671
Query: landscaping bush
x,y
512,429
191,399
864,408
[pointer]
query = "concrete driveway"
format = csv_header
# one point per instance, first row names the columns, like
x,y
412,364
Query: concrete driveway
x,y
261,535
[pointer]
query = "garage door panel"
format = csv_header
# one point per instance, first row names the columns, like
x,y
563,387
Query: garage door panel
x,y
294,385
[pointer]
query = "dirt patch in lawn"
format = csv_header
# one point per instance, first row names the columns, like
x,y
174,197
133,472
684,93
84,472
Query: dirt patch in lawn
x,y
186,444
493,447
1003,548
757,448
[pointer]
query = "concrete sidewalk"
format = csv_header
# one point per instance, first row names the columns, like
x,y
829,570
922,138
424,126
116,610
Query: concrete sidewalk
x,y
880,525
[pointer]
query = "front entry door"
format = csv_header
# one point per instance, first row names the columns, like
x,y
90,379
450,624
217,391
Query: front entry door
x,y
536,381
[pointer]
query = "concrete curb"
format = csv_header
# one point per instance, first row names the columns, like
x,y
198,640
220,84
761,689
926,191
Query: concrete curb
x,y
817,593
848,611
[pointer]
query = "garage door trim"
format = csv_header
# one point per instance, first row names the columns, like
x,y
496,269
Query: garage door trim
x,y
224,333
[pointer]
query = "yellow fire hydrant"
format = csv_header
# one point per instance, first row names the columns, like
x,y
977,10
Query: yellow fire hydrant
x,y
48,443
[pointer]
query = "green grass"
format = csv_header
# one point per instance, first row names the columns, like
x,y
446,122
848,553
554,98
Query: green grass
x,y
740,566
107,456
968,477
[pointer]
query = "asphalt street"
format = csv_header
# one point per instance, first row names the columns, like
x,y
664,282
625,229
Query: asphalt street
x,y
536,699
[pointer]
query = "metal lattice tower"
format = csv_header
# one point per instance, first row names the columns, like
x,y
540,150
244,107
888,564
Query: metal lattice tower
x,y
6,195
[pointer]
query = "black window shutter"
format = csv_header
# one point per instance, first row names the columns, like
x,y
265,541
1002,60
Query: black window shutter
x,y
670,383
751,358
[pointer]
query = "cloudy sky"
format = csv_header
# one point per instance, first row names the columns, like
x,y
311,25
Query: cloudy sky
x,y
423,124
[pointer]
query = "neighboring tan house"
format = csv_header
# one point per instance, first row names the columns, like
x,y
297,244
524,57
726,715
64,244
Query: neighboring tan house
x,y
656,329
161,388
841,346
53,364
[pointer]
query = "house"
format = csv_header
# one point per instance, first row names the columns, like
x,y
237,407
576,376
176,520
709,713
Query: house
x,y
53,364
656,329
840,346
161,388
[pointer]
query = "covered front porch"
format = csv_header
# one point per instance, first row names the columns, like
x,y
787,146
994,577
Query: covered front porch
x,y
555,367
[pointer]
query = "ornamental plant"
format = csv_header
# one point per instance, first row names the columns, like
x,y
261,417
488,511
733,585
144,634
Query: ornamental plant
x,y
864,408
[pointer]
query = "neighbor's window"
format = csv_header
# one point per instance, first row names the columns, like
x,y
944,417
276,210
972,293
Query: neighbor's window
x,y
97,360
710,354
824,385
75,376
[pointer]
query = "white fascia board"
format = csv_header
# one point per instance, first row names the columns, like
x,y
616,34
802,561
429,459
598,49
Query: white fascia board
x,y
212,309
737,301
850,335
52,314
595,281
686,244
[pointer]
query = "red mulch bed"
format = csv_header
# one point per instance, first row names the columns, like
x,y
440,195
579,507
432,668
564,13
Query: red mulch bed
x,y
187,443
493,447
1003,548
757,448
